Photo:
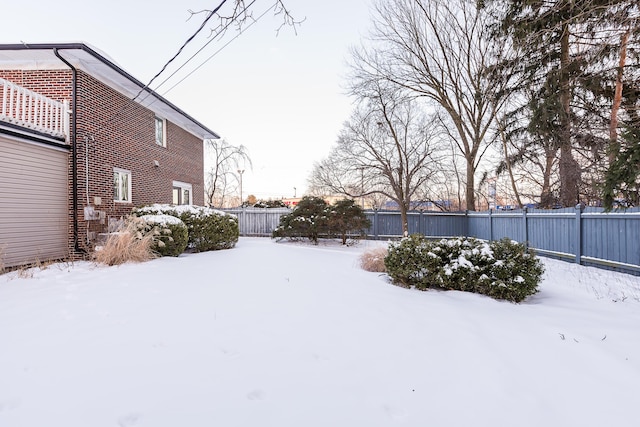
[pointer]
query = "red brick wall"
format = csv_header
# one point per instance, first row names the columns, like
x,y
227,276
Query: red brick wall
x,y
120,134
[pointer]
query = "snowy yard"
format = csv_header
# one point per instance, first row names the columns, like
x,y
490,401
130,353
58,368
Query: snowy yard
x,y
281,334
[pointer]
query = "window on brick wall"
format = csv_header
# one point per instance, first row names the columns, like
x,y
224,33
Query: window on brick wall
x,y
161,132
121,185
182,193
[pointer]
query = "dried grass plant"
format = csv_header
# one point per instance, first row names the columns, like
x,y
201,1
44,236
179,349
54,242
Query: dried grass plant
x,y
373,260
2,253
126,245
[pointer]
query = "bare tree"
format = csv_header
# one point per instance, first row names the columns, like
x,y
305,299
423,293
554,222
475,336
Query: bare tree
x,y
237,13
225,159
439,50
388,147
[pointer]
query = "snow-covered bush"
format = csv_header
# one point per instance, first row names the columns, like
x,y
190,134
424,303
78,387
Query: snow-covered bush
x,y
502,269
346,218
170,235
313,218
208,229
308,220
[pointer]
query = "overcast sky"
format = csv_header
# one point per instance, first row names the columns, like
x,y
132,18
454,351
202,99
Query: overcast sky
x,y
280,96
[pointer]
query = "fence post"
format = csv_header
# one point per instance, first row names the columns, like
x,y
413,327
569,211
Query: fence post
x,y
579,233
490,225
375,223
265,215
525,221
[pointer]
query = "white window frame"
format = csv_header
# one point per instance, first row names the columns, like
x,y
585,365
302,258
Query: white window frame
x,y
117,195
161,140
183,186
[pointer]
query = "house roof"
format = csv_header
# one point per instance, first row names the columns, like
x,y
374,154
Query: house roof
x,y
100,66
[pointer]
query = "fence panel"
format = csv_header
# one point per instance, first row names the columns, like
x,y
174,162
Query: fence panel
x,y
258,221
509,224
553,231
610,240
479,225
444,224
611,236
384,224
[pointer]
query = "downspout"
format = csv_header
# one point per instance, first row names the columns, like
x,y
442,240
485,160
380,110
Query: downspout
x,y
74,153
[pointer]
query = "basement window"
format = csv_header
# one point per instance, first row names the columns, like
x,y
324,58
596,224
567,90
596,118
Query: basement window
x,y
121,185
161,132
182,193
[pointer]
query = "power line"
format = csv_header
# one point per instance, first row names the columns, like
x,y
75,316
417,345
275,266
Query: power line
x,y
213,38
164,67
219,50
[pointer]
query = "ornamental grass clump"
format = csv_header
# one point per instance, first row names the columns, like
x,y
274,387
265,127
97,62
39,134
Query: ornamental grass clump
x,y
127,244
501,269
2,258
373,260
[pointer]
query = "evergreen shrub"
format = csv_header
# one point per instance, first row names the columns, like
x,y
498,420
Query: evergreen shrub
x,y
501,269
345,217
170,235
208,229
313,218
307,220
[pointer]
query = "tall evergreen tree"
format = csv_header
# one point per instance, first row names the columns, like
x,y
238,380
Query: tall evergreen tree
x,y
568,51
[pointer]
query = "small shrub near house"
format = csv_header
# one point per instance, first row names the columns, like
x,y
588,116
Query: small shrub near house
x,y
170,235
501,269
313,218
208,229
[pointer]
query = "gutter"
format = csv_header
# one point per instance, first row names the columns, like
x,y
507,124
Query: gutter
x,y
209,134
74,152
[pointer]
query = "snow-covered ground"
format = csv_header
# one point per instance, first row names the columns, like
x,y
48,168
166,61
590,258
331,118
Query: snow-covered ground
x,y
282,334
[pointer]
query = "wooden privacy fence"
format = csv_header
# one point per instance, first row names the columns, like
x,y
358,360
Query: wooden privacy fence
x,y
258,221
586,236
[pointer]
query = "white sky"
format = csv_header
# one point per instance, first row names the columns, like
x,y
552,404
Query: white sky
x,y
280,96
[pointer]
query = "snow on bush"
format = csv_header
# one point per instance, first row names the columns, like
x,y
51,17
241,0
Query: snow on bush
x,y
170,235
501,269
313,219
208,229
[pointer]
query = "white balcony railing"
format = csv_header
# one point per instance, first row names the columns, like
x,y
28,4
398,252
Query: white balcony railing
x,y
31,110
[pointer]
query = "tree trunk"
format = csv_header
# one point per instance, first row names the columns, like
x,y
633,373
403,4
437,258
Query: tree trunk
x,y
569,168
470,196
403,218
508,162
614,147
546,198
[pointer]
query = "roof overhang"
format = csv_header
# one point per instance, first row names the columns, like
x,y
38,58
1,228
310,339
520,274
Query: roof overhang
x,y
102,68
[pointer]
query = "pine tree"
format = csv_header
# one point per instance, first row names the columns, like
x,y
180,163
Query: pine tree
x,y
567,53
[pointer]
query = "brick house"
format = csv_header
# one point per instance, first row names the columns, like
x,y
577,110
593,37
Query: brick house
x,y
82,142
